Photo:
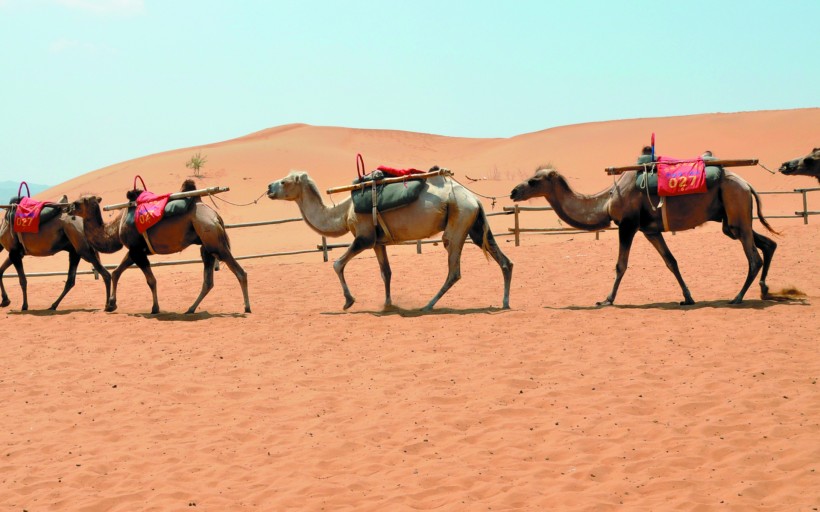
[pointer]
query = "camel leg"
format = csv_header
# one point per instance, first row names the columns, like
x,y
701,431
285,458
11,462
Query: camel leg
x,y
626,234
141,261
454,265
387,274
4,298
17,260
240,274
115,278
73,261
755,263
359,244
657,241
767,246
209,261
477,236
94,259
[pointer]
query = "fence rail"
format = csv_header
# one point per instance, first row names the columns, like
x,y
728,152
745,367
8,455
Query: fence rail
x,y
516,231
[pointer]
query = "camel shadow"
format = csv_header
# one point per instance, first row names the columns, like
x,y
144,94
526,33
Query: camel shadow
x,y
412,313
51,312
755,304
185,317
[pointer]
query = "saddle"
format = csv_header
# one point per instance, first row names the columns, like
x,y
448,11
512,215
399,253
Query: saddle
x,y
29,214
152,208
671,177
387,196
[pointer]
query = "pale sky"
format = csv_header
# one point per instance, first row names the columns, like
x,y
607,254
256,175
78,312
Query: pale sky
x,y
90,83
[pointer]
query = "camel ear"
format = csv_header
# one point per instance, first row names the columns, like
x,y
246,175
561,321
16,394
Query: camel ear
x,y
99,199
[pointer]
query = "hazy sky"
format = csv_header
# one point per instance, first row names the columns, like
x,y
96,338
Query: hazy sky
x,y
89,83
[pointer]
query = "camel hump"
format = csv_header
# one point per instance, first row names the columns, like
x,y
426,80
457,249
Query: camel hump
x,y
188,185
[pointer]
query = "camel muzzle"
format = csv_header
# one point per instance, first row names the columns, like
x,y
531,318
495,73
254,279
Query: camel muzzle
x,y
790,166
273,190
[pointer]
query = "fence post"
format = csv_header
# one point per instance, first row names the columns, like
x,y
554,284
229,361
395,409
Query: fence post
x,y
418,246
805,209
597,235
517,232
324,248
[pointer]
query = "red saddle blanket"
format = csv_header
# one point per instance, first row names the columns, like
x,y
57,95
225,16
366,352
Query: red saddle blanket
x,y
679,177
150,209
27,215
398,172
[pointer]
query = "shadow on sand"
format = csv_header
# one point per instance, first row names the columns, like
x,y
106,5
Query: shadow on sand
x,y
757,304
184,317
51,312
410,313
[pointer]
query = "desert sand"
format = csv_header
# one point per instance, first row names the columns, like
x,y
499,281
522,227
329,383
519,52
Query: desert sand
x,y
554,404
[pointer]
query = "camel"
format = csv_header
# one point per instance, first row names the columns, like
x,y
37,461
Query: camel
x,y
61,233
199,225
808,165
729,202
444,205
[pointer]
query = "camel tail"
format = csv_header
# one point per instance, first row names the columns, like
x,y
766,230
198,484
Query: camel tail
x,y
480,233
760,213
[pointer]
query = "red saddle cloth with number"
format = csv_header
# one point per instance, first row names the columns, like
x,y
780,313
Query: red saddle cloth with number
x,y
679,177
27,215
150,209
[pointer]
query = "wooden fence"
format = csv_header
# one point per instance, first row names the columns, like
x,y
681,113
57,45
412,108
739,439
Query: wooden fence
x,y
324,247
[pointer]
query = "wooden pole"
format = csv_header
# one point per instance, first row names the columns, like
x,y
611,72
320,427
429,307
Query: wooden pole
x,y
721,163
517,228
399,179
175,195
52,205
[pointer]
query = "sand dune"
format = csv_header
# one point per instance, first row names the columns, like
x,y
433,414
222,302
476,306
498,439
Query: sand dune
x,y
552,405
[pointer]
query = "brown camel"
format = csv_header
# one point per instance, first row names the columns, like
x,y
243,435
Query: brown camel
x,y
199,225
729,202
809,165
62,233
444,205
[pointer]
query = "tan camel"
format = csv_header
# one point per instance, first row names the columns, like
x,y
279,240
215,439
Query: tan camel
x,y
199,225
444,205
808,165
62,233
729,202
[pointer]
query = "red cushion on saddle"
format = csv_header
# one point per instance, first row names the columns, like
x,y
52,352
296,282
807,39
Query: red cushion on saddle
x,y
27,215
398,172
150,209
679,177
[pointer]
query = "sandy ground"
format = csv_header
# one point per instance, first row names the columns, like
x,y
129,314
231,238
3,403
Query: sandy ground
x,y
552,405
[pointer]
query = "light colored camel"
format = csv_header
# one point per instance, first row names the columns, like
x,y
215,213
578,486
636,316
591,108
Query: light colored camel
x,y
729,202
808,165
199,225
443,205
62,233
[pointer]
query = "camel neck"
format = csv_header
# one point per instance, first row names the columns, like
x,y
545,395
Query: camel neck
x,y
325,220
103,237
588,212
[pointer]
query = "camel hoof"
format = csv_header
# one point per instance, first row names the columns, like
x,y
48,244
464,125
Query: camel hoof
x,y
110,307
247,309
24,308
155,310
736,301
53,307
606,302
687,302
5,303
189,312
349,302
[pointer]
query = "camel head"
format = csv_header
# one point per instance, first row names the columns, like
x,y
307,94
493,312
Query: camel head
x,y
542,183
87,207
288,188
808,165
